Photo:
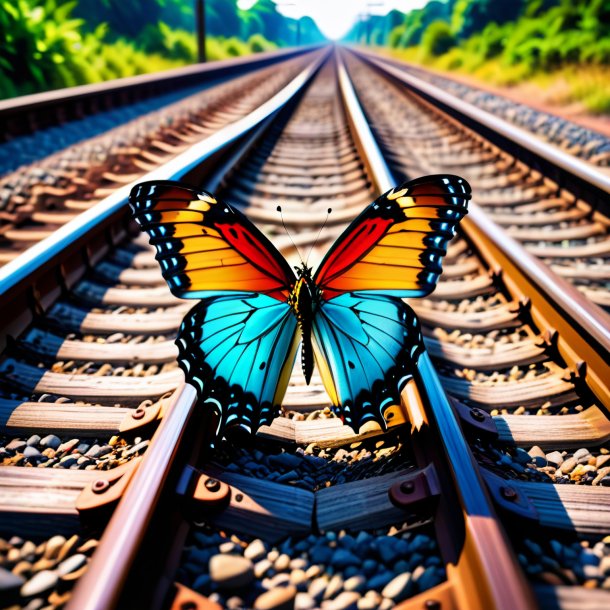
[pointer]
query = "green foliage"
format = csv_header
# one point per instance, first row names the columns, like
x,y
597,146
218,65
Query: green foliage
x,y
173,44
531,34
259,44
563,45
46,48
37,39
437,39
471,16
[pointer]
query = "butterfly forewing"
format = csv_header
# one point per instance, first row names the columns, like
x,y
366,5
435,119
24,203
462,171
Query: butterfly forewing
x,y
205,246
396,245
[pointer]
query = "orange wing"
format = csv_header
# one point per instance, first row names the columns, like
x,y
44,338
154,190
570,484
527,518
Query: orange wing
x,y
395,247
206,247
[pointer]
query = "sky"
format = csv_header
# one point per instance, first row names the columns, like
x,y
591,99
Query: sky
x,y
336,17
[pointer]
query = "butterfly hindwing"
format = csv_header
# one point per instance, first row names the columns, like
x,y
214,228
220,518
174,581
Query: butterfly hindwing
x,y
366,346
238,352
205,246
395,247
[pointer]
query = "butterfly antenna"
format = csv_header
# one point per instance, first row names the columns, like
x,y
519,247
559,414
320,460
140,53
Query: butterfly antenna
x,y
279,209
318,236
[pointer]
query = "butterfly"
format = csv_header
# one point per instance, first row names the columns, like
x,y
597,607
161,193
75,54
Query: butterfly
x,y
238,345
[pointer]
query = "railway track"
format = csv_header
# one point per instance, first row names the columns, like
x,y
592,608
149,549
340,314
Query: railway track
x,y
310,514
545,206
38,198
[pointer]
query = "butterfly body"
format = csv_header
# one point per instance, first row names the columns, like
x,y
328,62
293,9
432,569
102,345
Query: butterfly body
x,y
238,345
302,300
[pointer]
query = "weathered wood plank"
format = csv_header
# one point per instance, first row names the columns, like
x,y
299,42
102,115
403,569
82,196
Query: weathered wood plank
x,y
262,508
587,428
361,504
60,418
127,390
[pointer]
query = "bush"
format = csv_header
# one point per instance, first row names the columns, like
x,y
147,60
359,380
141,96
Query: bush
x,y
437,39
259,44
234,47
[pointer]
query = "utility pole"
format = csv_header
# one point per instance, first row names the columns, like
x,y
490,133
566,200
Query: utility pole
x,y
200,17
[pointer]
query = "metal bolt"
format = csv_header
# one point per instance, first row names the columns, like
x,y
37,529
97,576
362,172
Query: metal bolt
x,y
477,414
509,493
212,485
432,604
239,497
100,486
407,487
138,413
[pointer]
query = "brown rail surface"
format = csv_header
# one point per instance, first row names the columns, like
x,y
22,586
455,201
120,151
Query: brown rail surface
x,y
307,458
39,198
310,514
88,380
551,202
505,349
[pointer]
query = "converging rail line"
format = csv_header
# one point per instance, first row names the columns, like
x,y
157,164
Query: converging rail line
x,y
110,492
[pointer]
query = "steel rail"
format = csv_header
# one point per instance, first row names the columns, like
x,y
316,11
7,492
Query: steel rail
x,y
578,169
75,102
101,586
40,255
583,327
489,566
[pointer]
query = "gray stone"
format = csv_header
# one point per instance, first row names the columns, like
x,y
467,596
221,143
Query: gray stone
x,y
68,445
568,465
228,547
53,546
202,582
288,460
380,580
535,451
347,600
581,454
522,456
231,571
334,586
398,588
303,601
280,598
136,448
291,475
9,582
282,562
430,578
16,445
261,568
39,583
255,550
555,458
387,548
50,442
94,451
71,564
33,440
342,558
355,583
31,452
317,588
